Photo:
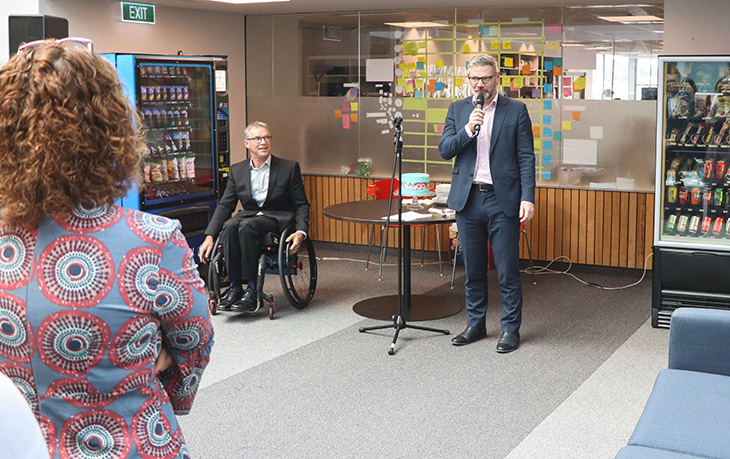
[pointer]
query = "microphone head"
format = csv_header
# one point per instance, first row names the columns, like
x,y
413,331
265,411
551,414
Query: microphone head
x,y
480,101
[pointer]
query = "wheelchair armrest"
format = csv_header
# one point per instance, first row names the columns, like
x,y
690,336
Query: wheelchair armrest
x,y
699,340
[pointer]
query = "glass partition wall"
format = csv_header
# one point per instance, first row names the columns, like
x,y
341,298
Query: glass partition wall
x,y
331,84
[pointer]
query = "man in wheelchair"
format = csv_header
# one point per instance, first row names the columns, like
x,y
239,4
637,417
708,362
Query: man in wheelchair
x,y
271,192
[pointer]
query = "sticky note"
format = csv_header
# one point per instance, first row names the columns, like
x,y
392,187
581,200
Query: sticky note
x,y
553,29
484,30
567,91
506,44
403,67
547,145
536,131
547,104
537,143
420,65
567,125
414,104
567,81
526,69
579,84
548,65
508,62
439,86
411,66
439,128
439,63
345,107
421,59
421,73
353,117
505,80
346,121
465,48
419,83
519,82
419,93
421,44
547,119
558,135
557,70
547,132
547,159
548,88
458,82
576,116
546,175
338,113
494,45
553,45
401,81
558,61
535,93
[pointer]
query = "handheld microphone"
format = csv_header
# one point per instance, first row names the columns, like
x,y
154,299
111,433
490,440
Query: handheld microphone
x,y
397,121
480,105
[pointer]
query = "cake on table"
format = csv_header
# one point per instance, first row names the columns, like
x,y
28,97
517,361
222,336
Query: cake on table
x,y
415,185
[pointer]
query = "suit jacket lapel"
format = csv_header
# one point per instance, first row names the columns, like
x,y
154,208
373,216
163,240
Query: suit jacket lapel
x,y
273,173
246,183
499,114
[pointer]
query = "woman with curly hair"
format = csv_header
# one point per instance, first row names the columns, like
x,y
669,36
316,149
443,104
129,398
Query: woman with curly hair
x,y
104,326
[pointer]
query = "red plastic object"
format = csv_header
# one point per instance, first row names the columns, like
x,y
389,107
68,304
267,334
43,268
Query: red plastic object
x,y
381,189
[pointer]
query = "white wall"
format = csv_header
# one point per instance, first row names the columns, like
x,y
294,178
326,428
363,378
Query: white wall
x,y
6,9
190,31
696,27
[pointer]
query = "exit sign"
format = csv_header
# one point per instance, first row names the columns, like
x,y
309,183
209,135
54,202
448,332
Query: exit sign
x,y
138,12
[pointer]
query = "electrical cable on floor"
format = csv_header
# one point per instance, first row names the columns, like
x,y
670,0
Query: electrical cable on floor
x,y
374,262
547,270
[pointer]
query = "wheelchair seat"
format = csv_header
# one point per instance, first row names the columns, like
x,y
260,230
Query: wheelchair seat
x,y
297,273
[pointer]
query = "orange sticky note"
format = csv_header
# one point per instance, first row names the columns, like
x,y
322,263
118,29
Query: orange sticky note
x,y
536,131
557,70
526,69
353,117
338,113
576,116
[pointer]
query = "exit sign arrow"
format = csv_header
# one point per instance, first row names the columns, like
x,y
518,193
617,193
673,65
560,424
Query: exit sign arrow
x,y
138,12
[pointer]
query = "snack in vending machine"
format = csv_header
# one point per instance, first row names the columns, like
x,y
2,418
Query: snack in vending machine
x,y
721,135
671,223
706,223
147,117
184,120
155,118
179,93
162,120
171,94
685,169
181,168
694,224
682,223
163,169
143,93
717,226
176,117
697,136
190,166
147,170
709,165
156,172
158,93
687,134
185,91
673,135
171,122
173,168
720,169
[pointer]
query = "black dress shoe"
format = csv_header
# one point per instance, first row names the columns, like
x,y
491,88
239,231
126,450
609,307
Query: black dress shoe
x,y
469,335
233,295
247,303
508,342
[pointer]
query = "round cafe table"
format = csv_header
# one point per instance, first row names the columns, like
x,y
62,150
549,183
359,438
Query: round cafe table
x,y
415,307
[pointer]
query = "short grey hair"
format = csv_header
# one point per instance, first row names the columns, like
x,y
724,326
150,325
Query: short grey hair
x,y
254,125
482,60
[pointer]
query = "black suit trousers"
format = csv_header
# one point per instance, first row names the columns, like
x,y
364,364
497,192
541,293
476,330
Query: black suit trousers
x,y
241,238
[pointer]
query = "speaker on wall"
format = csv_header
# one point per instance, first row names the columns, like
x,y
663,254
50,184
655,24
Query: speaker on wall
x,y
24,29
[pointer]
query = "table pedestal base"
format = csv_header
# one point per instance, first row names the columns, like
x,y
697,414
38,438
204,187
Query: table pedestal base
x,y
423,307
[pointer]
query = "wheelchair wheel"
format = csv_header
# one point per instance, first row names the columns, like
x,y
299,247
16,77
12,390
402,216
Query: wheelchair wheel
x,y
217,275
298,272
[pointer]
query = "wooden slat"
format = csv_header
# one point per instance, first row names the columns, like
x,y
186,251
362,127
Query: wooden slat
x,y
582,225
599,235
631,230
608,227
549,251
574,224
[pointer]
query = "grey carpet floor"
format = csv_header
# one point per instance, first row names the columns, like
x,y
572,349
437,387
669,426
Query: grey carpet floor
x,y
309,384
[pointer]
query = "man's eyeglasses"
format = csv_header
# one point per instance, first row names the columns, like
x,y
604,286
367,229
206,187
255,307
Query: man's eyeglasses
x,y
88,44
485,79
260,139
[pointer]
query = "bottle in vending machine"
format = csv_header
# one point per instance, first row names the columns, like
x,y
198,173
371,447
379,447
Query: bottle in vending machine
x,y
706,223
717,226
706,197
695,196
694,224
672,194
683,196
671,223
718,196
682,223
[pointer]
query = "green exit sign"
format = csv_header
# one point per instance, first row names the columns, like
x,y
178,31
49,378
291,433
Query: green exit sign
x,y
138,12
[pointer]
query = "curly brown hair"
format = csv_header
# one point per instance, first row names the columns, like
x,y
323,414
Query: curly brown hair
x,y
68,135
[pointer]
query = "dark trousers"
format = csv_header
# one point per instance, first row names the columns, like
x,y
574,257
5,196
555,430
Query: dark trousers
x,y
482,221
241,239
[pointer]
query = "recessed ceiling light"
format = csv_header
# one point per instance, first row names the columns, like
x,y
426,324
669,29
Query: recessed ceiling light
x,y
415,24
648,18
241,2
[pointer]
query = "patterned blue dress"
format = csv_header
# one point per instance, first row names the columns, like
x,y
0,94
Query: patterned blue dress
x,y
85,305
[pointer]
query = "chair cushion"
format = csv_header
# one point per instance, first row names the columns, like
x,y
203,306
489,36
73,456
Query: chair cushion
x,y
641,452
687,412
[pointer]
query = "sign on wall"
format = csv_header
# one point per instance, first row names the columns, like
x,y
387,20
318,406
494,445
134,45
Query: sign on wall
x,y
138,12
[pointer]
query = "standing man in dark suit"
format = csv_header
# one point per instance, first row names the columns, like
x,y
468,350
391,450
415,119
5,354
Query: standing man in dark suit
x,y
271,192
492,191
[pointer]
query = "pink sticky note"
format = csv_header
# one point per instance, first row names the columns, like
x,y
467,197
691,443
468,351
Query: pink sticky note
x,y
567,81
345,107
346,120
553,29
567,92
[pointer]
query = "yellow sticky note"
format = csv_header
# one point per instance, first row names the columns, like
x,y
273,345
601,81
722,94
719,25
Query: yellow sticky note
x,y
411,66
401,81
353,106
508,62
421,59
552,45
566,125
494,45
421,73
538,144
519,82
458,82
403,67
465,48
579,84
439,63
421,44
419,83
505,80
506,44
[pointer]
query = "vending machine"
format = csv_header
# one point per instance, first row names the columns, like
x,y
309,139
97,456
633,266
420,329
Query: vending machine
x,y
692,215
183,102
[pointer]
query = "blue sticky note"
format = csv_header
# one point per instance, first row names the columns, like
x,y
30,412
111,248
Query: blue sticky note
x,y
419,93
547,104
558,135
439,86
547,88
420,65
547,119
548,65
558,61
547,132
484,30
547,145
493,30
547,159
546,175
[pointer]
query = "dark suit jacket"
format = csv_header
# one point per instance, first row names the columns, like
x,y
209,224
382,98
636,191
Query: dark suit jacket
x,y
286,200
511,156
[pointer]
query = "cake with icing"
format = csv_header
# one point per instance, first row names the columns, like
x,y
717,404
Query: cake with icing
x,y
415,185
